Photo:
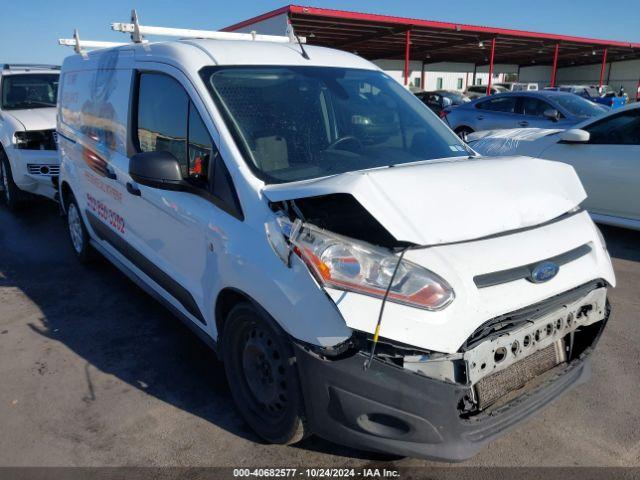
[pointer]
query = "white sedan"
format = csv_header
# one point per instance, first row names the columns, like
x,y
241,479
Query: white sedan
x,y
604,151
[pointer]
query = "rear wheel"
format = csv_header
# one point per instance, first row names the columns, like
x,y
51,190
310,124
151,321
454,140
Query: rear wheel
x,y
77,232
463,132
10,192
260,367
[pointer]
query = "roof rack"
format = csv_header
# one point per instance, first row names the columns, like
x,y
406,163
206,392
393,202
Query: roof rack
x,y
29,66
138,32
80,46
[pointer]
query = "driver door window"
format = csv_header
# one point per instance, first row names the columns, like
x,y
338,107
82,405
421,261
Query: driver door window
x,y
169,121
620,129
534,107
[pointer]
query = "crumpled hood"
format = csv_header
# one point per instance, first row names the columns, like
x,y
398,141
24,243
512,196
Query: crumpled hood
x,y
35,118
453,200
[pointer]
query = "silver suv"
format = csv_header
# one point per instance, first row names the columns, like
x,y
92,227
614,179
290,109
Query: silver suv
x,y
29,161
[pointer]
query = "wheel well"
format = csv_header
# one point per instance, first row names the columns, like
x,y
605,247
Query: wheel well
x,y
227,299
65,194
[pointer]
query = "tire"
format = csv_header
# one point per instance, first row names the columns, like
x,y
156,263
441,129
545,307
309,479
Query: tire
x,y
11,194
78,235
262,374
462,132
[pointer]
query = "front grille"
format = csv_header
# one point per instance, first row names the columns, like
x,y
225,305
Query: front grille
x,y
493,387
44,170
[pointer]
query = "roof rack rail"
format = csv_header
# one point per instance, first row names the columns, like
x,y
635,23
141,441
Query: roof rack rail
x,y
138,32
29,66
79,46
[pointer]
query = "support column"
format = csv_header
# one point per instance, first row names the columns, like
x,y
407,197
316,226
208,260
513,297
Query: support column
x,y
422,78
475,70
603,66
493,51
555,65
407,45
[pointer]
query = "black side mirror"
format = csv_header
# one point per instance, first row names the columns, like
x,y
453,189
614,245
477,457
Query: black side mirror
x,y
157,170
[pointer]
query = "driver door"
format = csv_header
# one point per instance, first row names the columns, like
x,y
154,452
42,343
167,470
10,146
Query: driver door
x,y
608,165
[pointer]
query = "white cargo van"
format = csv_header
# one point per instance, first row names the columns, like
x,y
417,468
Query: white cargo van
x,y
362,273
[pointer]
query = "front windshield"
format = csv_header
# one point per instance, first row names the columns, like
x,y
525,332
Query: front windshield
x,y
578,106
29,91
298,123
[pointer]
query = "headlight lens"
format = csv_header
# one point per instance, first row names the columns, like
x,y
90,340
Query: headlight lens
x,y
344,264
35,140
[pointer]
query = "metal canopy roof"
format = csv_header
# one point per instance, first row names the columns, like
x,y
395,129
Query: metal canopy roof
x,y
381,36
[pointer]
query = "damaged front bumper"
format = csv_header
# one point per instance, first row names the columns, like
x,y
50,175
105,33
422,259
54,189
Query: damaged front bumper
x,y
390,408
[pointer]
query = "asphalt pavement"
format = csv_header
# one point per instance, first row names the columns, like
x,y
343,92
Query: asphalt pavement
x,y
94,372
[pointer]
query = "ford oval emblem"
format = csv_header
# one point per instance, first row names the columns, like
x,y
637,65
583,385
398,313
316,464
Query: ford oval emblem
x,y
543,272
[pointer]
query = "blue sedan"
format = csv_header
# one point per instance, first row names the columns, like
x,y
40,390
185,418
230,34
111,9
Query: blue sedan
x,y
541,109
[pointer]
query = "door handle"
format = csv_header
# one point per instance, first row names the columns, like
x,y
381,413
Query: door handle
x,y
110,174
524,123
133,190
480,117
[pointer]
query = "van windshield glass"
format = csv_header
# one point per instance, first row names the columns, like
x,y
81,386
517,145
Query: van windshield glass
x,y
297,123
29,91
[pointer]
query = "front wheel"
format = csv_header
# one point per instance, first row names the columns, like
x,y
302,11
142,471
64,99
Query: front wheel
x,y
10,191
260,367
78,232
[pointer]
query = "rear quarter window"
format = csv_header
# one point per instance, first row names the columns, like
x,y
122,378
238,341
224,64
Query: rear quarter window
x,y
503,105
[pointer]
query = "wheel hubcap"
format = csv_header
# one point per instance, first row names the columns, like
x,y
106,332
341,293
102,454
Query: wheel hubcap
x,y
75,228
264,371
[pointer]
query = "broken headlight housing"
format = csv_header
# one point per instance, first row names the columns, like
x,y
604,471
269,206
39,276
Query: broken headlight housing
x,y
344,264
35,140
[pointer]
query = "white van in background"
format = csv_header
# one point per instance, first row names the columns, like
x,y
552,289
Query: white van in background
x,y
29,161
362,273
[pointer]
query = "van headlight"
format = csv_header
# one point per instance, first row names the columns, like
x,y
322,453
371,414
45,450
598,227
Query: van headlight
x,y
344,264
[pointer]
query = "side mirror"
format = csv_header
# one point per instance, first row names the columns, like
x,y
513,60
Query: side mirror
x,y
575,136
552,114
446,102
156,170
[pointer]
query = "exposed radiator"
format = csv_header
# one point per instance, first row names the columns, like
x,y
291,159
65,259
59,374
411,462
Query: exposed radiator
x,y
493,387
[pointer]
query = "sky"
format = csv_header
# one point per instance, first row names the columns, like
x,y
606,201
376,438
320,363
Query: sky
x,y
29,29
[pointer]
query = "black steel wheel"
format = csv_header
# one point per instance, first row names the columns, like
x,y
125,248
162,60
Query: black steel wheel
x,y
260,367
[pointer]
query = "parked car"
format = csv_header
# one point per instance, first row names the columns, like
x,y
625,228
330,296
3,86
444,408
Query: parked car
x,y
440,99
519,86
605,152
361,277
477,91
605,96
544,109
28,158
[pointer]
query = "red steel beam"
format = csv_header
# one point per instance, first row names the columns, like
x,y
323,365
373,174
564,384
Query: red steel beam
x,y
457,27
603,66
407,48
493,52
555,65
